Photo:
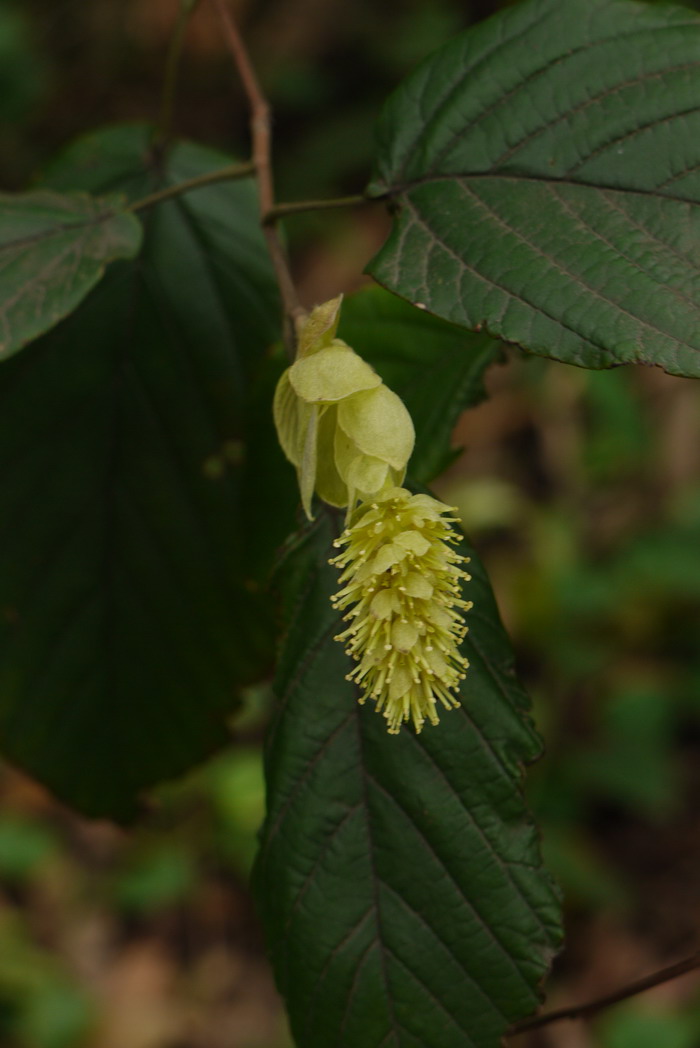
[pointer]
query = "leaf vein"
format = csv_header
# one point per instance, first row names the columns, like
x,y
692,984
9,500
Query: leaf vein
x,y
448,950
536,74
434,999
281,813
577,278
313,872
607,93
457,886
468,75
632,133
501,862
581,221
465,266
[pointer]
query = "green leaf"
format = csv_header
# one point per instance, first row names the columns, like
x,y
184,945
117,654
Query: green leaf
x,y
544,170
25,848
130,609
53,249
159,877
399,878
436,368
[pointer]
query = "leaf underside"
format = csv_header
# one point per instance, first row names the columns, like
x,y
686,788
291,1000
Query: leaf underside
x,y
399,877
545,170
129,611
53,249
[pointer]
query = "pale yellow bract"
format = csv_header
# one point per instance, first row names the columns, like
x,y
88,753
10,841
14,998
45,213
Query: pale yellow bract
x,y
347,434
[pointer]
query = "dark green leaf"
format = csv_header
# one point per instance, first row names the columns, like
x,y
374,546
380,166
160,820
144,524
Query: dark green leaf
x,y
399,878
129,608
53,249
545,170
436,368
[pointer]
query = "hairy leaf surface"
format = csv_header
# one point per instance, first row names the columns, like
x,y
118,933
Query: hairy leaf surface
x,y
436,368
53,249
399,876
129,607
545,171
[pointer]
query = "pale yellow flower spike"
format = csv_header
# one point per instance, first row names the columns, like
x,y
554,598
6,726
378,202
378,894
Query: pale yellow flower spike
x,y
401,580
350,438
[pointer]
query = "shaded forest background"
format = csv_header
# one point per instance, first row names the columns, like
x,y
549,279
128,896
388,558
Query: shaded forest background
x,y
581,490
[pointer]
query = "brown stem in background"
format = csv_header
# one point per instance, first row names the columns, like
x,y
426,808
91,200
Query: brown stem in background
x,y
261,149
172,69
298,207
583,1011
224,174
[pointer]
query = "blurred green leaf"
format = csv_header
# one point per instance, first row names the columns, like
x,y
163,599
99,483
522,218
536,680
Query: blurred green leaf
x,y
544,171
238,791
130,611
585,877
24,846
22,74
633,763
436,368
164,875
399,878
40,1007
639,1026
618,430
663,561
53,249
57,1016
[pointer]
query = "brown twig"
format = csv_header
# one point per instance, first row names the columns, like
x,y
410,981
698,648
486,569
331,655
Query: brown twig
x,y
583,1011
297,207
172,69
261,156
224,174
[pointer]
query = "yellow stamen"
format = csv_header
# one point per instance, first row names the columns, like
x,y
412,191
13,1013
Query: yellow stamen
x,y
402,580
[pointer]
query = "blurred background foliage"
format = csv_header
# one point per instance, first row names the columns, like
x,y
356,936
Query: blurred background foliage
x,y
580,489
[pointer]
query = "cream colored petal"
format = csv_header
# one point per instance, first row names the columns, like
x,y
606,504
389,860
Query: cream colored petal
x,y
385,603
428,508
331,374
292,417
397,477
367,475
414,542
307,467
378,422
403,636
318,329
330,485
416,585
400,683
386,558
345,451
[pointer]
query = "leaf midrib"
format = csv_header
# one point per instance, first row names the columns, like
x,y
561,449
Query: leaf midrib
x,y
402,188
532,76
88,226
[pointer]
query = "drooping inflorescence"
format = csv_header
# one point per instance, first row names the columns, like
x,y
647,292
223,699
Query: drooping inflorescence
x,y
400,577
350,439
